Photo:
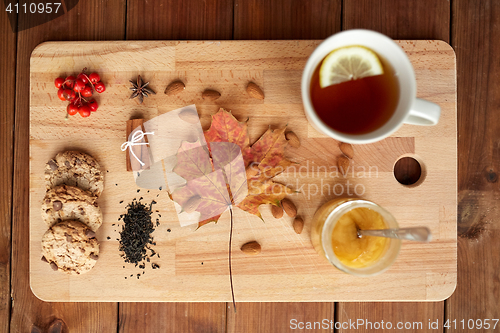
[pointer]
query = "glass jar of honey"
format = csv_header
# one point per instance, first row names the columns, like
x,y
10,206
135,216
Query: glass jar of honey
x,y
334,236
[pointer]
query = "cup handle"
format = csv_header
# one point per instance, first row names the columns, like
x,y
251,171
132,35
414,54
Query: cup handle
x,y
423,113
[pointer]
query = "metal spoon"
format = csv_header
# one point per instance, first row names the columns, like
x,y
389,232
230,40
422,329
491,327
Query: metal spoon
x,y
419,234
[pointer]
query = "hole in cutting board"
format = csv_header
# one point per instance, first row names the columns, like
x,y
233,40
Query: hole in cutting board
x,y
409,171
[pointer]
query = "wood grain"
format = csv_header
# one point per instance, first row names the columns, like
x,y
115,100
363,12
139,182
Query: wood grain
x,y
195,263
8,40
179,19
400,19
476,31
283,19
277,317
28,309
415,315
172,317
397,19
407,171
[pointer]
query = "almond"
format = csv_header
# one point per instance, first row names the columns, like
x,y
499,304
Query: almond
x,y
191,205
277,211
254,91
298,225
347,149
189,116
251,248
210,95
293,139
343,164
289,207
174,88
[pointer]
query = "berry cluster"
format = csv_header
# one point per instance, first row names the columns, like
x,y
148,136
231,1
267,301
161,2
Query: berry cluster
x,y
78,90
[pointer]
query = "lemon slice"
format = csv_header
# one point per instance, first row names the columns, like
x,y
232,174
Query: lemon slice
x,y
349,63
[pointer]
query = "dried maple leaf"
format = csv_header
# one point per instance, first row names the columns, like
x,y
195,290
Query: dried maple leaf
x,y
195,166
213,182
266,157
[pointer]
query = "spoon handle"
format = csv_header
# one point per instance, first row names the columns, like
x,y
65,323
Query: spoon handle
x,y
420,234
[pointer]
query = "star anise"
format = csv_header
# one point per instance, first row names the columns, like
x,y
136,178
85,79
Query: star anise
x,y
140,89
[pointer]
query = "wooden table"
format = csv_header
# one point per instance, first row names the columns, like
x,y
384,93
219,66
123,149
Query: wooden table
x,y
471,27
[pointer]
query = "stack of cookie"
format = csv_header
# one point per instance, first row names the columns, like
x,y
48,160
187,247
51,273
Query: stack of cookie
x,y
74,182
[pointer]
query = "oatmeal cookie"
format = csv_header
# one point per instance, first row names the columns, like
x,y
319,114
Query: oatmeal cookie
x,y
75,169
71,203
71,247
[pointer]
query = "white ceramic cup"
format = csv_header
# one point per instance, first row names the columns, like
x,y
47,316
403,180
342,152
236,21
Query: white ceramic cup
x,y
410,109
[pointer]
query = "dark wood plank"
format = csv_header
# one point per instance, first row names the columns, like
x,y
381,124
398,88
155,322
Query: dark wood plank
x,y
476,31
407,171
180,19
172,317
399,317
284,19
84,22
400,19
405,19
8,41
280,317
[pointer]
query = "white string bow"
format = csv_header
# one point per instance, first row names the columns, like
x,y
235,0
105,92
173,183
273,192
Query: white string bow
x,y
136,141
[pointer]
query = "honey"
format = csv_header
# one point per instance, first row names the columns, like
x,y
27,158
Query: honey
x,y
334,236
351,250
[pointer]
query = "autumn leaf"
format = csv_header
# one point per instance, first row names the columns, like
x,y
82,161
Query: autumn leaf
x,y
213,182
266,157
205,189
225,128
227,171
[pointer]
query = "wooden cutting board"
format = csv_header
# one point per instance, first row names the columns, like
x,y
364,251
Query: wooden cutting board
x,y
194,264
